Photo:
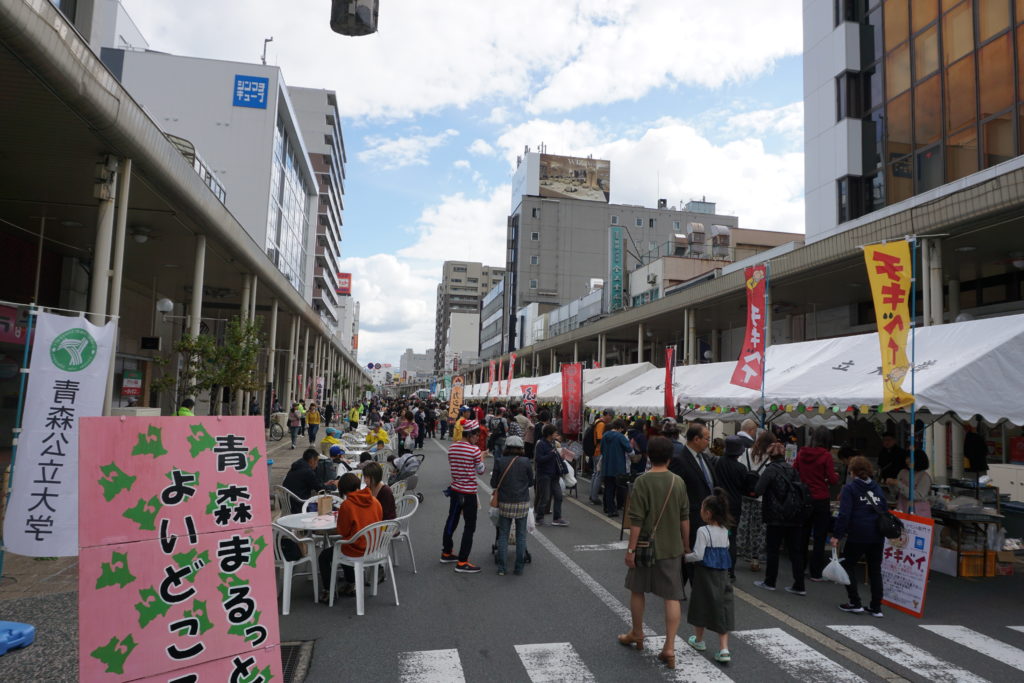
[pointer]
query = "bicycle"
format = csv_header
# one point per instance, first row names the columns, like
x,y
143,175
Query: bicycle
x,y
276,432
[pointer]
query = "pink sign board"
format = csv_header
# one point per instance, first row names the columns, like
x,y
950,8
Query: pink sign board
x,y
176,568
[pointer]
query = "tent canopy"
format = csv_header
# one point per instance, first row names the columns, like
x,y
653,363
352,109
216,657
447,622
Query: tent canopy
x,y
597,381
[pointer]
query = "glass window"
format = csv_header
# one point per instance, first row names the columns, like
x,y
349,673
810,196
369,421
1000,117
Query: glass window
x,y
639,222
1020,58
897,67
927,112
899,130
995,76
997,134
899,180
993,17
874,139
928,167
897,23
1020,11
958,32
875,185
843,200
533,284
926,53
615,220
535,213
534,236
535,260
873,91
961,98
923,12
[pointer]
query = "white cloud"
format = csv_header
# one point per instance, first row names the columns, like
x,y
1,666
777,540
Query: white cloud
x,y
461,163
398,291
412,150
498,115
787,121
672,159
452,53
481,147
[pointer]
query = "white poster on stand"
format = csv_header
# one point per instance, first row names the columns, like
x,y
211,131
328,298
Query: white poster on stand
x,y
905,564
66,381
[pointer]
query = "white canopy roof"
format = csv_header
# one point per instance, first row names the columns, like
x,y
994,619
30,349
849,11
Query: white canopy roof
x,y
597,381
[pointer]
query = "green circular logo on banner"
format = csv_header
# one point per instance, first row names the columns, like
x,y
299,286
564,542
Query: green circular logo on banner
x,y
73,350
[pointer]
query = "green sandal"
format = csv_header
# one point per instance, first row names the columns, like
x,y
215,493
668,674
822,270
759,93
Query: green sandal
x,y
698,645
723,656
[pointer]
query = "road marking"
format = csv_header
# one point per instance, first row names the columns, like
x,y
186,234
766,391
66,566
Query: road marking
x,y
906,655
430,666
800,661
979,642
618,545
553,662
1017,628
691,666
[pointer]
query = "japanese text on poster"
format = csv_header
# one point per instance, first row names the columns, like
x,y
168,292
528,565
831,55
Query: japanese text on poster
x,y
749,370
905,563
572,398
889,271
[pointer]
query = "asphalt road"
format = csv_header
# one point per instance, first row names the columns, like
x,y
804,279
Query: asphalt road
x,y
558,621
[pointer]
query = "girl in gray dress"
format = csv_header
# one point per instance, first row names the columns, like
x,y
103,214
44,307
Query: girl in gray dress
x,y
711,601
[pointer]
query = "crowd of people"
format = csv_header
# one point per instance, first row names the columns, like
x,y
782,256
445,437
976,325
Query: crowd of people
x,y
694,507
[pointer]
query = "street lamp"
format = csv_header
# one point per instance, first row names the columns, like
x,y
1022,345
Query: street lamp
x,y
354,17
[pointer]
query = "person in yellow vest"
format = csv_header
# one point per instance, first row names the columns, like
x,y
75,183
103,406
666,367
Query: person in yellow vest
x,y
377,436
186,408
313,422
301,410
353,417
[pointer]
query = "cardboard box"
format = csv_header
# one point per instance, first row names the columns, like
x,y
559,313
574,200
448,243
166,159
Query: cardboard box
x,y
944,561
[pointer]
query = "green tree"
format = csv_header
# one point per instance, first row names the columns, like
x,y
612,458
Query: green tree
x,y
236,361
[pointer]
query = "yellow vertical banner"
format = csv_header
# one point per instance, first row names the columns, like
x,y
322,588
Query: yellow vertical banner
x,y
889,273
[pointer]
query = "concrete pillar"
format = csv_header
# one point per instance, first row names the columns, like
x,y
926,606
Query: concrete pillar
x,y
935,281
286,400
533,365
552,361
575,352
954,300
252,297
198,279
956,449
640,343
602,349
305,364
716,345
315,370
106,192
268,400
123,180
243,309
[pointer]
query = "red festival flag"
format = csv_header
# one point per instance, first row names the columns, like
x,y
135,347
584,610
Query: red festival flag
x,y
749,370
572,398
670,363
501,371
529,399
511,372
490,377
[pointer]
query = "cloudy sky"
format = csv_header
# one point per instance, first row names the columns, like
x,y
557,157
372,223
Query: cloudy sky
x,y
687,99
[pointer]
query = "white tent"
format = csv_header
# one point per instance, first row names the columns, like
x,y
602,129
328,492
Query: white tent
x,y
544,383
597,381
643,393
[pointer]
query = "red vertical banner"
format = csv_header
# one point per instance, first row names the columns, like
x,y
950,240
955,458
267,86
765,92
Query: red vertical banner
x,y
749,370
572,398
529,399
670,365
490,377
511,372
501,371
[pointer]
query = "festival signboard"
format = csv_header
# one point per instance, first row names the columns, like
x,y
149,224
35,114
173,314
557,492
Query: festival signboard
x,y
889,275
529,399
670,364
66,382
457,385
491,369
749,370
511,372
177,583
572,398
905,564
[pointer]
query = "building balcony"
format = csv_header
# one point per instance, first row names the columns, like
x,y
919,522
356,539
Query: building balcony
x,y
326,258
324,305
328,242
327,278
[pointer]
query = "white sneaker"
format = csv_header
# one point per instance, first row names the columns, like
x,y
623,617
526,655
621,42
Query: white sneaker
x,y
762,584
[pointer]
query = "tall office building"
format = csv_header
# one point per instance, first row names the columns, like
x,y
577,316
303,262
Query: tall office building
x,y
907,101
463,285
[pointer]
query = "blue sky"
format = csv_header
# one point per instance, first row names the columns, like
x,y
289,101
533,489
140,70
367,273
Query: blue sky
x,y
686,98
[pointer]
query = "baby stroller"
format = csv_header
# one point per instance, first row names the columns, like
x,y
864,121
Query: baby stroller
x,y
407,473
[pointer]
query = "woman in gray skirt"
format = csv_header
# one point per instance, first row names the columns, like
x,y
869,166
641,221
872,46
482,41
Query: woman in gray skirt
x,y
657,506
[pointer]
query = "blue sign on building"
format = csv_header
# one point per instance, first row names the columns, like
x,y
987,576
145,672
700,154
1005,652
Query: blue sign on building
x,y
250,91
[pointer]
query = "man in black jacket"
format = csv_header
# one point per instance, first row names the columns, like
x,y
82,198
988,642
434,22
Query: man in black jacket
x,y
696,467
302,479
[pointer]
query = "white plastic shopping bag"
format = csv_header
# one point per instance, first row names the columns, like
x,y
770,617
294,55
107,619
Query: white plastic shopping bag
x,y
834,571
531,521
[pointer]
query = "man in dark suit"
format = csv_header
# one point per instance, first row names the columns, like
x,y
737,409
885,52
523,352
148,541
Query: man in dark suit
x,y
696,468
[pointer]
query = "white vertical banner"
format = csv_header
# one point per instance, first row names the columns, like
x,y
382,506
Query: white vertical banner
x,y
68,377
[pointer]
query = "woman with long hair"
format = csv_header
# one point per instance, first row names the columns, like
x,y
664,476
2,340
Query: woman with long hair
x,y
750,531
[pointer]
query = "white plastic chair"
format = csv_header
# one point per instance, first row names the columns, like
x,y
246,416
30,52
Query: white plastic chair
x,y
398,488
287,567
283,499
405,506
378,538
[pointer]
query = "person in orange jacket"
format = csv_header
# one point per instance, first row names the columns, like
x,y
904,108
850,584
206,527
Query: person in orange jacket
x,y
359,510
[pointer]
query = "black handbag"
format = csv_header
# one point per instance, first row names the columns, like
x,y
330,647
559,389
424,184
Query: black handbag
x,y
643,554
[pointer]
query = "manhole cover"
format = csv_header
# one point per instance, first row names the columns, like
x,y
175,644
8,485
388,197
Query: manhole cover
x,y
295,657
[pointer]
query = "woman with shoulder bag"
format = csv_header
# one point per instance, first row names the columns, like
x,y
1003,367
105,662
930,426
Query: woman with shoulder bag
x,y
511,480
294,423
750,538
659,533
857,522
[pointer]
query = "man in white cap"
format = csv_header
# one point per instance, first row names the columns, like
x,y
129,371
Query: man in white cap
x,y
465,462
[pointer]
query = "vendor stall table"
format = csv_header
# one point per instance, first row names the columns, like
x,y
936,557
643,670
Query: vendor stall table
x,y
979,522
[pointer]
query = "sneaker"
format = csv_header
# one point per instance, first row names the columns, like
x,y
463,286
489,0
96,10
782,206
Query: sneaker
x,y
501,572
851,608
723,656
762,584
874,612
448,558
539,522
559,522
698,645
466,568
794,591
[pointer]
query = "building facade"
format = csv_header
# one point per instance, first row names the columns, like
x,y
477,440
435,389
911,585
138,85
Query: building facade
x,y
463,285
413,365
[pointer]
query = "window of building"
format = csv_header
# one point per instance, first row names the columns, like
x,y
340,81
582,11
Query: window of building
x,y
849,95
995,76
472,279
535,236
897,68
926,53
927,112
456,279
993,17
639,222
535,213
650,222
962,153
459,269
961,97
675,225
997,135
896,22
533,284
928,167
615,220
535,260
849,10
957,32
851,198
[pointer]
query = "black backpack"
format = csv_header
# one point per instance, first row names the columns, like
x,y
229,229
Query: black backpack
x,y
589,445
889,525
795,503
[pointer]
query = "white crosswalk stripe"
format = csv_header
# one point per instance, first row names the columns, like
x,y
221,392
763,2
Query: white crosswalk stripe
x,y
430,666
799,660
553,662
691,666
906,655
1017,628
982,644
